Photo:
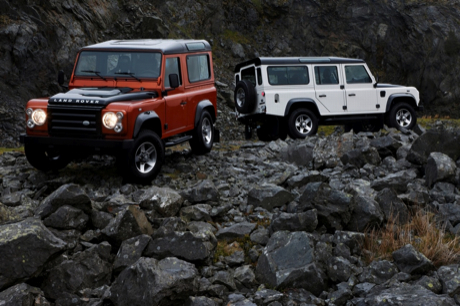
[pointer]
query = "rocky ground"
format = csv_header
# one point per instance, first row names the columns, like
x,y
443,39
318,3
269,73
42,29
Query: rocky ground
x,y
250,223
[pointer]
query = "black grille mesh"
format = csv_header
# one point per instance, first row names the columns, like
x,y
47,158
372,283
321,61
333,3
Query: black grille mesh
x,y
74,122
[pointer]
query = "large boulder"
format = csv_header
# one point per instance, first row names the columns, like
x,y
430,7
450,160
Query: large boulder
x,y
439,167
288,261
165,201
409,260
130,251
150,282
450,279
361,156
386,145
269,196
392,206
26,247
366,214
69,194
67,217
434,140
378,272
204,191
237,230
293,222
397,181
22,295
299,154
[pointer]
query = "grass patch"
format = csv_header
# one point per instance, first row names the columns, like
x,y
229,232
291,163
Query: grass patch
x,y
428,122
228,247
4,150
421,232
236,37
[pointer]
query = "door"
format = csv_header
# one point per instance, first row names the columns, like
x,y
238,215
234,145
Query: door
x,y
361,96
328,87
176,100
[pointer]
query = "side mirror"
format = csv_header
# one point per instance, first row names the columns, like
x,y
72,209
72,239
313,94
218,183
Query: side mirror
x,y
173,80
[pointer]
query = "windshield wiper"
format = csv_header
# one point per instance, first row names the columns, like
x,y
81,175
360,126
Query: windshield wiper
x,y
96,73
131,74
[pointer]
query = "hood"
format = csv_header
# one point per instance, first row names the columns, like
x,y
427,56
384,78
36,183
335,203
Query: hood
x,y
99,96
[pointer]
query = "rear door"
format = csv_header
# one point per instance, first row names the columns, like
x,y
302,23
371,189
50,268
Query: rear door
x,y
361,96
328,86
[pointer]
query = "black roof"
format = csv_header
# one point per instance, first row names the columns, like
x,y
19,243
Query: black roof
x,y
297,60
166,46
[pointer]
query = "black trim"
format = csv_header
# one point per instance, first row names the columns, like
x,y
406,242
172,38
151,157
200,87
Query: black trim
x,y
298,100
296,60
398,95
77,142
378,85
199,109
144,117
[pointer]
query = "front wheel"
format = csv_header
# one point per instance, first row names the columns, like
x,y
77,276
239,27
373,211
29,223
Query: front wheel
x,y
402,115
145,159
46,159
302,123
203,135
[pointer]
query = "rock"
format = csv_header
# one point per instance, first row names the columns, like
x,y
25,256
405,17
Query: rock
x,y
165,201
260,236
22,294
184,245
196,212
88,269
224,278
430,283
267,296
439,167
391,206
203,192
333,206
299,154
339,297
361,156
245,276
130,222
410,261
7,215
288,261
130,251
450,212
153,27
449,276
152,282
434,141
353,240
235,231
69,194
67,217
100,219
366,214
386,146
303,179
339,269
397,181
269,196
26,246
306,221
199,301
378,272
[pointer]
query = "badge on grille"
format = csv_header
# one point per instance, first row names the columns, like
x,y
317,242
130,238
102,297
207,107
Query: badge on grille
x,y
86,123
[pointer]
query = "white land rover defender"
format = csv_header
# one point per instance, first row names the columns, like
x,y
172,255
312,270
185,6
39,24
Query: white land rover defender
x,y
293,95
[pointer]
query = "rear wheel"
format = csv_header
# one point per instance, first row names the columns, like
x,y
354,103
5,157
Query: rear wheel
x,y
203,135
145,159
402,115
302,123
245,97
46,159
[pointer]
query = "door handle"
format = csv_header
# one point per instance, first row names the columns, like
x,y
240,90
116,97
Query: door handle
x,y
322,96
352,95
183,103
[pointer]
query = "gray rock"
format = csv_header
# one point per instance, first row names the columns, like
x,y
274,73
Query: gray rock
x,y
196,212
386,146
70,194
439,167
130,222
410,261
260,236
152,282
267,296
165,201
88,269
361,156
333,207
224,278
392,207
203,192
450,212
431,283
101,219
339,269
303,179
449,276
397,181
378,272
366,214
434,141
234,231
299,154
362,289
200,301
245,275
269,196
67,217
22,294
26,246
305,221
288,261
198,227
153,27
130,251
339,297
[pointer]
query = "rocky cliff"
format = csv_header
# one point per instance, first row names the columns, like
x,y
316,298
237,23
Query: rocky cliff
x,y
408,42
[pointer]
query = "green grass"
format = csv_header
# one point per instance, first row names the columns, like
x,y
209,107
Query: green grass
x,y
4,150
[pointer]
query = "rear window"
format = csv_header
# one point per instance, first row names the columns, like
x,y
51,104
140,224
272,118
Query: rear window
x,y
198,68
249,74
288,75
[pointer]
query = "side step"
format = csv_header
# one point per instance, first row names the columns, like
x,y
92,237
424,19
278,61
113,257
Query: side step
x,y
177,141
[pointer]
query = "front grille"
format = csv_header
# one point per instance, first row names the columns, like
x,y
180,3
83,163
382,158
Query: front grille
x,y
74,122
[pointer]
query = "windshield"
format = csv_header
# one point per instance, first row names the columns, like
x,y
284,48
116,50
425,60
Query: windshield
x,y
118,64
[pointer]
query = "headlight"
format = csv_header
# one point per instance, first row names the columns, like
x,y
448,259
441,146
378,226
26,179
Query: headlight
x,y
113,121
36,117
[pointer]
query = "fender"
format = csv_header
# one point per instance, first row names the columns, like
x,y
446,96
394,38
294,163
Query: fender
x,y
199,109
299,100
398,95
145,117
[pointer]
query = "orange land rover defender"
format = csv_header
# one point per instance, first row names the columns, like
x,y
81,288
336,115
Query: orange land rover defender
x,y
131,99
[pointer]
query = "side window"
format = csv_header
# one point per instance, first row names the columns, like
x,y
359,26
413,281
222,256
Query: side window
x,y
326,75
249,74
259,76
357,74
172,67
198,68
295,75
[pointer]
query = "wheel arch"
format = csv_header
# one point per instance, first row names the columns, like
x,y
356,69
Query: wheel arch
x,y
204,105
147,120
297,103
399,98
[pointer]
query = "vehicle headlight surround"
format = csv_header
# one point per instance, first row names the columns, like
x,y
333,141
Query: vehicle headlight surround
x,y
112,121
36,117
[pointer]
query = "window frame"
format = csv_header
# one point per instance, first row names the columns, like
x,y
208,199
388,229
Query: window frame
x,y
208,66
305,67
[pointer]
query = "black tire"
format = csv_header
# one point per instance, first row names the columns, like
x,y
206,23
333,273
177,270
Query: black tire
x,y
203,135
402,115
245,97
145,158
46,159
302,123
247,132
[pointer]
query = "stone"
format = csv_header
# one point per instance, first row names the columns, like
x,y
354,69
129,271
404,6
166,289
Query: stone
x,y
305,221
67,217
392,207
100,219
165,201
431,283
378,272
361,156
200,301
245,275
288,261
397,181
26,246
130,251
197,212
260,236
434,141
299,154
151,282
23,294
366,214
267,296
238,230
269,196
449,276
411,261
203,192
386,145
339,269
439,167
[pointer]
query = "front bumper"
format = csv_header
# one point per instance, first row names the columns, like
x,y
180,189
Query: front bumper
x,y
77,143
